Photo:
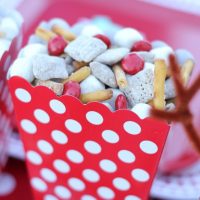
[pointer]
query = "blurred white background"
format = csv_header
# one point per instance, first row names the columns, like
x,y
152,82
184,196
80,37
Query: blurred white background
x,y
189,6
10,3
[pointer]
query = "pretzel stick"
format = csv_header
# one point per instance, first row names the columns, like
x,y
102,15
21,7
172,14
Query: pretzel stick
x,y
44,34
186,71
160,73
120,76
79,75
100,95
69,36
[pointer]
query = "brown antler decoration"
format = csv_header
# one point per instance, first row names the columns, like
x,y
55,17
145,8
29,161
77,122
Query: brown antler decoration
x,y
182,112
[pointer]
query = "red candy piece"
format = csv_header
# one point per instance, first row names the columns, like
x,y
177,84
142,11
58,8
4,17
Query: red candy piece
x,y
56,46
72,88
121,102
142,45
104,38
132,63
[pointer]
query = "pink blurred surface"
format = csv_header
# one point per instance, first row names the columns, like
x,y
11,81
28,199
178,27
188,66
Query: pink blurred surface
x,y
178,29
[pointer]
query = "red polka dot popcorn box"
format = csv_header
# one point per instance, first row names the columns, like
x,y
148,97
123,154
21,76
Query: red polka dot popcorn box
x,y
76,151
82,139
10,43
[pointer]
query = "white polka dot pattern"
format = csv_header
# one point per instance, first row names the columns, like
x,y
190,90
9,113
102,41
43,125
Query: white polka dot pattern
x,y
126,156
132,128
75,156
34,157
105,193
28,126
57,106
59,137
121,184
45,147
61,166
92,147
41,116
76,184
88,197
132,197
140,175
48,175
148,147
108,166
91,175
23,95
73,126
94,118
62,192
38,184
110,136
86,152
50,197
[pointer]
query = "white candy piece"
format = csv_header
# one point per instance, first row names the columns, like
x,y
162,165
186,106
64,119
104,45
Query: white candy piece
x,y
91,84
4,46
91,30
47,67
85,48
22,67
147,56
111,101
35,39
60,22
112,56
162,53
33,50
140,86
44,25
182,55
126,37
158,43
16,16
9,27
169,89
103,73
142,110
170,106
79,26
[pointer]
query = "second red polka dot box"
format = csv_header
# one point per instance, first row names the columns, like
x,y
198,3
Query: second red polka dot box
x,y
11,23
81,150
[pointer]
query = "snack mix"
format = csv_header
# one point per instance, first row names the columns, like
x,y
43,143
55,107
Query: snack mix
x,y
122,69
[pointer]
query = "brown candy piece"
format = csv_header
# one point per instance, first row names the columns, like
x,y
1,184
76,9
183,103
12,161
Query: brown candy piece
x,y
57,88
